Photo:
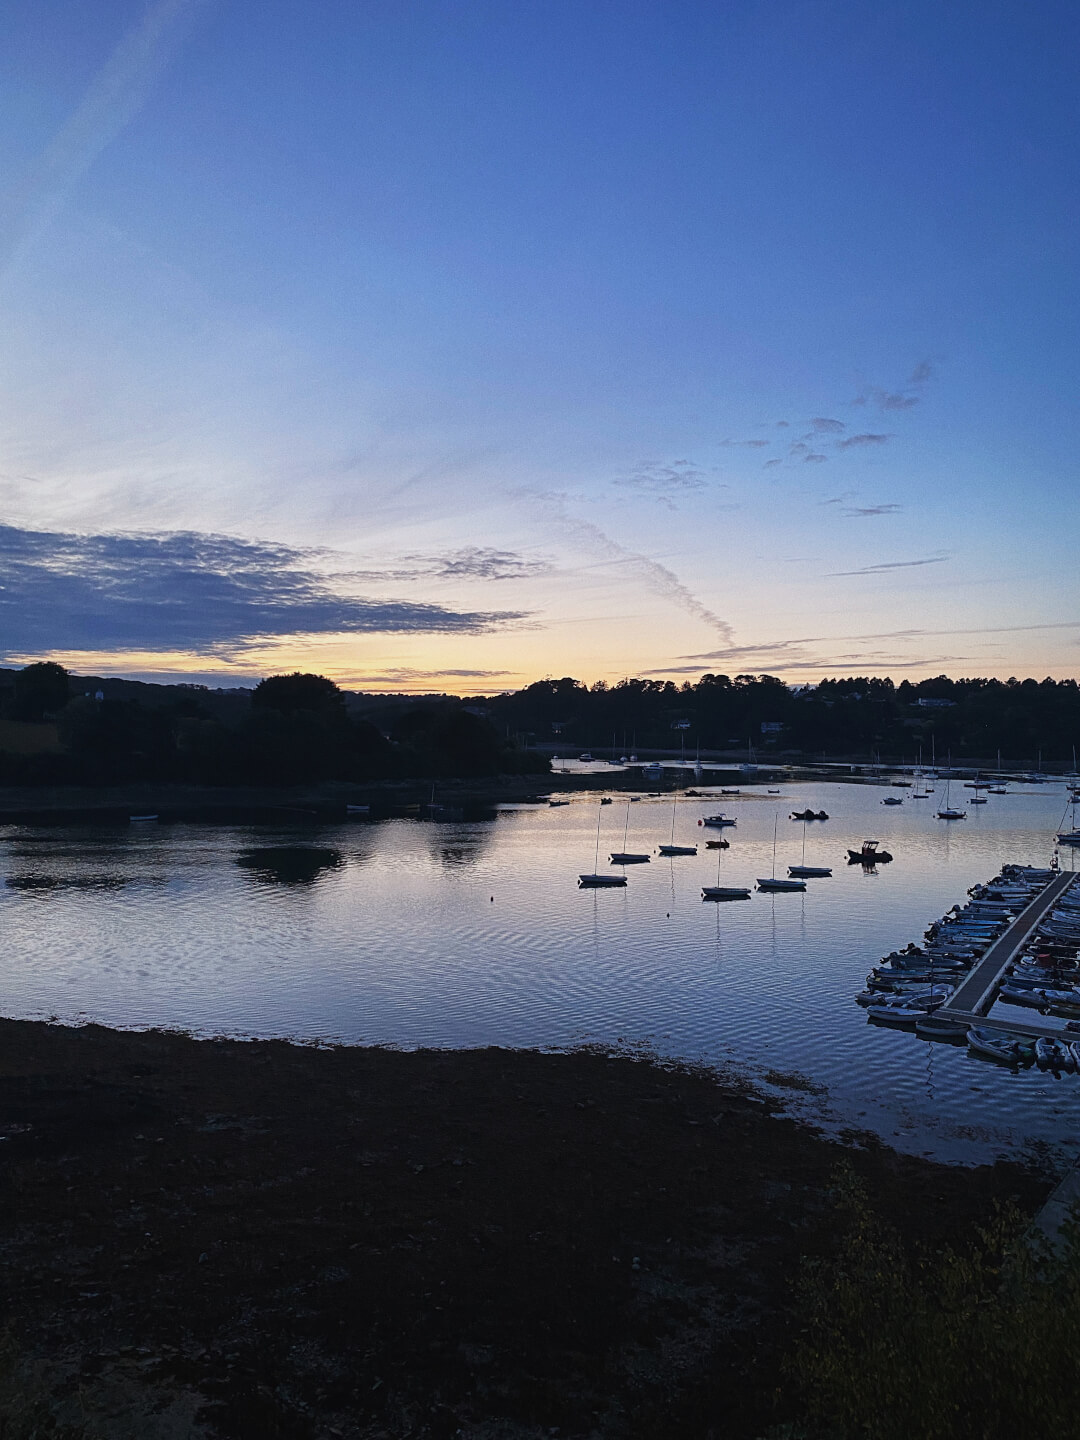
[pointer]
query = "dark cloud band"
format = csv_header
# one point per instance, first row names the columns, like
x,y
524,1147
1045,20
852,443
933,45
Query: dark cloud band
x,y
187,591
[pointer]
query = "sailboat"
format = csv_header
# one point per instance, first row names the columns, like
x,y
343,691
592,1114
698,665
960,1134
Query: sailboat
x,y
1069,837
724,892
946,813
596,881
802,871
672,848
772,883
920,792
624,856
977,799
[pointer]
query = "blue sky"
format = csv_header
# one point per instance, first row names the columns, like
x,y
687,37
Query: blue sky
x,y
448,345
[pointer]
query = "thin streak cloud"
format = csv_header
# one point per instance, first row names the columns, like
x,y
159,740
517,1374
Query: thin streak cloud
x,y
891,565
659,579
114,97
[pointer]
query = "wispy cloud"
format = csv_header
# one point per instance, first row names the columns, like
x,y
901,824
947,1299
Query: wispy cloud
x,y
749,444
661,479
478,563
814,458
114,97
825,426
866,439
892,565
658,578
898,399
868,511
189,591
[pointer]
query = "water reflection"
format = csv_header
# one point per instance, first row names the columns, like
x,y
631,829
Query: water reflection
x,y
46,885
289,864
462,847
475,933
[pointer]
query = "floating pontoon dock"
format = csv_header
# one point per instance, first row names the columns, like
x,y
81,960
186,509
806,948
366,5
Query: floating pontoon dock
x,y
979,990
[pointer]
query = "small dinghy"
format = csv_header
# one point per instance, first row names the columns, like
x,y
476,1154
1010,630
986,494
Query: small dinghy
x,y
999,1045
725,892
357,809
141,819
940,1027
717,845
1053,1054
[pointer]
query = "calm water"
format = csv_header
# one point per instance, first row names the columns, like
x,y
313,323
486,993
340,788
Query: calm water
x,y
473,933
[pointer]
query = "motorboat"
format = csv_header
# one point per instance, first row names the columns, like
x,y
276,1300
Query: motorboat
x,y
869,854
893,800
809,815
717,821
717,845
729,792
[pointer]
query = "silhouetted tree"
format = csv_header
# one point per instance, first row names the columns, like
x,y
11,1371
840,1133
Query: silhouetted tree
x,y
291,693
40,689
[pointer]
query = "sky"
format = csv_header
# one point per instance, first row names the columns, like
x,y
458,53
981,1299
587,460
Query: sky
x,y
450,344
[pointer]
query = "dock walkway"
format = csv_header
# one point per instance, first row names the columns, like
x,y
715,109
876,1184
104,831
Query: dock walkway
x,y
978,992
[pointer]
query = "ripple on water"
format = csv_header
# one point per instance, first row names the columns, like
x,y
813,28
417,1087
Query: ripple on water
x,y
389,932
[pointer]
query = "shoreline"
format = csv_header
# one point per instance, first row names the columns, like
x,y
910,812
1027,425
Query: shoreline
x,y
326,802
250,1238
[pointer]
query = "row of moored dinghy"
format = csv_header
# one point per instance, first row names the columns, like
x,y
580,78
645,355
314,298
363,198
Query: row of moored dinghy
x,y
910,986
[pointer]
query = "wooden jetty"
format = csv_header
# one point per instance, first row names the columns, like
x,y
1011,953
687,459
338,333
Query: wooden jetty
x,y
978,992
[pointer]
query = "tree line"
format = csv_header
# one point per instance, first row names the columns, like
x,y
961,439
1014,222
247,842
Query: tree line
x,y
301,728
859,718
291,729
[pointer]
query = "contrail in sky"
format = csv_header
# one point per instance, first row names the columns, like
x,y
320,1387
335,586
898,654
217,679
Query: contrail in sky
x,y
116,94
657,577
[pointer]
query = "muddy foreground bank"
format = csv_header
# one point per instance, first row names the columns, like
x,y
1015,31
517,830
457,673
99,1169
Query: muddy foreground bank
x,y
260,1240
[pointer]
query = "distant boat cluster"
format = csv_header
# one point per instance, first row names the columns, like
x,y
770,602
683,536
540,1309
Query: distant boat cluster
x,y
795,880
